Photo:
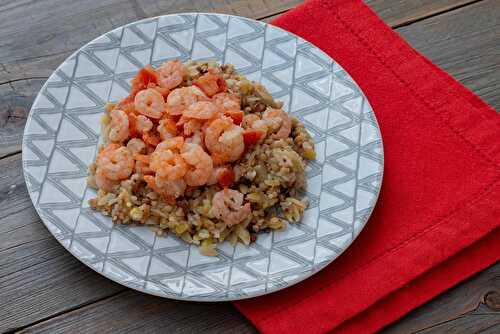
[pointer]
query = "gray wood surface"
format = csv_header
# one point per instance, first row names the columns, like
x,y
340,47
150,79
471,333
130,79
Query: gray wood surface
x,y
36,273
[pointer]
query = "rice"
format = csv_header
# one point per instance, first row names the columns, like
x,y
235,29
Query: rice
x,y
271,176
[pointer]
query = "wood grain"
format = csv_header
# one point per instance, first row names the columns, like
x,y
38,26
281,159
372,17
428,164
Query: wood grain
x,y
399,13
463,309
147,314
36,273
34,45
465,43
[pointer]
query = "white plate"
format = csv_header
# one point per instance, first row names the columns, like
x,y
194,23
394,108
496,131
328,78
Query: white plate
x,y
62,132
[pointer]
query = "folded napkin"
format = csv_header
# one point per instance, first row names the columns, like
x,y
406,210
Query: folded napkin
x,y
436,220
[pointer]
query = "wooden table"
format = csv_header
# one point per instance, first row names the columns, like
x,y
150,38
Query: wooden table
x,y
43,289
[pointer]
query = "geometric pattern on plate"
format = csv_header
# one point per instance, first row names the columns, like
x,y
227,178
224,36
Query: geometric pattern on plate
x,y
62,134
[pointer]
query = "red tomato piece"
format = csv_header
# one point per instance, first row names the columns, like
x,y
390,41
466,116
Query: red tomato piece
x,y
226,177
211,84
132,125
236,115
146,76
252,137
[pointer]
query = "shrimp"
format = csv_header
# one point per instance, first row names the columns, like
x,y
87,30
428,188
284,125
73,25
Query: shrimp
x,y
135,146
143,124
201,110
200,163
228,205
181,98
252,121
196,138
104,183
224,140
174,144
118,131
142,164
192,126
167,128
279,122
170,190
229,105
150,103
171,74
115,161
166,160
226,101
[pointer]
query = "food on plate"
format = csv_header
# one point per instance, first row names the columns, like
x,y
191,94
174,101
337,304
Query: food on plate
x,y
198,150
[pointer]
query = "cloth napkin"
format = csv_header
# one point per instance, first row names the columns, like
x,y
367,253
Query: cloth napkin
x,y
436,221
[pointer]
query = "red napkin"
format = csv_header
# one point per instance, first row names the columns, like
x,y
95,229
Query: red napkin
x,y
436,220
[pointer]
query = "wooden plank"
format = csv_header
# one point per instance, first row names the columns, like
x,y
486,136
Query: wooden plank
x,y
34,45
461,310
465,43
39,270
397,13
147,314
36,272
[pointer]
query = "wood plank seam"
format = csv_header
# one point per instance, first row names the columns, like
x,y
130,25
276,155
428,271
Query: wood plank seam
x,y
83,305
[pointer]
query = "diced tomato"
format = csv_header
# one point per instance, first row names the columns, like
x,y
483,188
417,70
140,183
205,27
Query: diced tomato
x,y
132,125
226,177
252,137
151,138
236,115
146,76
211,84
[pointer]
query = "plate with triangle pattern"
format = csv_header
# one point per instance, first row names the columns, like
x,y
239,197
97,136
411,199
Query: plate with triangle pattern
x,y
62,132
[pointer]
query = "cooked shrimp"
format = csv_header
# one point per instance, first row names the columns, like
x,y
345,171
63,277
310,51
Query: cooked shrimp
x,y
150,103
135,145
173,188
174,143
104,183
200,163
228,205
253,121
167,128
166,160
143,124
196,138
115,161
224,140
118,131
227,101
143,168
181,98
279,122
171,74
192,126
201,110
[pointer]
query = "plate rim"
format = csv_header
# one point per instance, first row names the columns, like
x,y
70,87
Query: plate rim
x,y
204,299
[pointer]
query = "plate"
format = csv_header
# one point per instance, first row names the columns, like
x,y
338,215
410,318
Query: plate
x,y
62,133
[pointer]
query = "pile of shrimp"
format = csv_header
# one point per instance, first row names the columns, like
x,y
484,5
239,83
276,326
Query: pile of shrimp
x,y
177,135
